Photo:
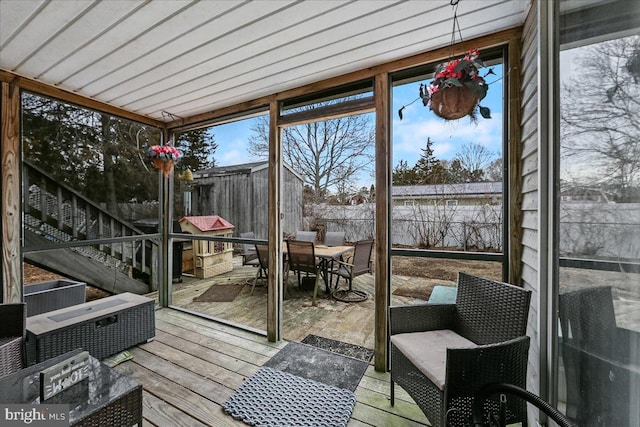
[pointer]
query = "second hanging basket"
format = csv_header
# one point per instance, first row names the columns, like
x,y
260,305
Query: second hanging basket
x,y
165,166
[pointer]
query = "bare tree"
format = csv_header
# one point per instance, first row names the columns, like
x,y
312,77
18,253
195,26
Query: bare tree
x,y
600,113
495,170
474,158
327,153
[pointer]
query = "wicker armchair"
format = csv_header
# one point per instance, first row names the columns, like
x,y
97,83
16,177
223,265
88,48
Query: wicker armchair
x,y
442,354
12,337
601,359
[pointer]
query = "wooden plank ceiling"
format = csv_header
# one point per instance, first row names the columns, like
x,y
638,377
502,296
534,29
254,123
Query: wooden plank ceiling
x,y
188,57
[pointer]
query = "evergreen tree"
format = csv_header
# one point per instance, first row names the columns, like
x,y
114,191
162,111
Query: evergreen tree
x,y
197,148
93,153
403,175
428,169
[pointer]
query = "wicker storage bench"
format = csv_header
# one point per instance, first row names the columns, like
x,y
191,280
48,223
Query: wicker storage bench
x,y
53,295
102,327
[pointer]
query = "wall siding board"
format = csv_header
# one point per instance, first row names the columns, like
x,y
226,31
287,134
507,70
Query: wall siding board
x,y
529,120
530,220
530,256
530,182
529,274
530,149
530,202
529,237
530,164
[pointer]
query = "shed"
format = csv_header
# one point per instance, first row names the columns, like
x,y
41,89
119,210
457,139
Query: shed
x,y
210,258
240,194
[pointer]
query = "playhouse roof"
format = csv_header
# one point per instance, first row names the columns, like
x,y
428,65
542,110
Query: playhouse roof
x,y
208,223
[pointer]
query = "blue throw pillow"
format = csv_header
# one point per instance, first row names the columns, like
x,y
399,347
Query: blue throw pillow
x,y
443,295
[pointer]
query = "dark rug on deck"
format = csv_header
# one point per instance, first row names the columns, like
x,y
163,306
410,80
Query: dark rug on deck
x,y
343,348
219,293
315,364
273,398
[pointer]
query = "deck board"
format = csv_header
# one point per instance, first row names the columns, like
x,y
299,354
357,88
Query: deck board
x,y
160,413
330,319
195,364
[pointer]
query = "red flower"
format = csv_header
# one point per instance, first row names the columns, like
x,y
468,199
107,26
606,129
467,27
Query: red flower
x,y
164,152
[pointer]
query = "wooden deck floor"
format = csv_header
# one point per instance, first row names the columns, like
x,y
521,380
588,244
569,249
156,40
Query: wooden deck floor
x,y
195,364
348,322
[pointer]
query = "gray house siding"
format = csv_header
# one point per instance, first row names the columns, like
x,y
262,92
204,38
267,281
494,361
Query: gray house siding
x,y
530,191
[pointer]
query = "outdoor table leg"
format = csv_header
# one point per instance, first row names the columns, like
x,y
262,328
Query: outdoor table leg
x,y
325,273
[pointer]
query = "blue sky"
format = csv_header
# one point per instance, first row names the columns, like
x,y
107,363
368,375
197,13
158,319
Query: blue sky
x,y
419,123
409,134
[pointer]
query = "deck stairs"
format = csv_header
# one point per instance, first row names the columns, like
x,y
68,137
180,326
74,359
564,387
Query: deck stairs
x,y
55,213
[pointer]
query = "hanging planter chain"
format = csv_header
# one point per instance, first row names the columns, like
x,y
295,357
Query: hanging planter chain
x,y
457,87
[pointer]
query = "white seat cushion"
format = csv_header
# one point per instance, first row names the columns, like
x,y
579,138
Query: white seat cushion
x,y
428,351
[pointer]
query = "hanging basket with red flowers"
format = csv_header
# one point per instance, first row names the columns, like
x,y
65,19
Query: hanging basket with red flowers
x,y
163,158
457,88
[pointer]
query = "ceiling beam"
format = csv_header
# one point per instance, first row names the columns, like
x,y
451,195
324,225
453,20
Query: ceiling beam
x,y
74,98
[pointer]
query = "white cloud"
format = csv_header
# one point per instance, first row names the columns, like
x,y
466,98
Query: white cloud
x,y
410,134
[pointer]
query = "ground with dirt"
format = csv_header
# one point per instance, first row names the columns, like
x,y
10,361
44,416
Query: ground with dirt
x,y
33,274
443,269
428,268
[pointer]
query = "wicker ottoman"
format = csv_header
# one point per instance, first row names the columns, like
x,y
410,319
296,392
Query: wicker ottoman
x,y
102,327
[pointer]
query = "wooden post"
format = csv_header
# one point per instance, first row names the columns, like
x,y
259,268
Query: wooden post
x,y
11,200
164,287
515,166
383,219
275,283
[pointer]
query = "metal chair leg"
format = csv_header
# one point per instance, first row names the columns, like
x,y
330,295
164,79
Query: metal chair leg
x,y
393,393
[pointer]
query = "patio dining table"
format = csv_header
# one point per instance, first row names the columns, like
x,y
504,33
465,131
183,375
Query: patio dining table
x,y
326,254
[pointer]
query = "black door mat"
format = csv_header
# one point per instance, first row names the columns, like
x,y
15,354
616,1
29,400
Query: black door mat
x,y
340,347
320,365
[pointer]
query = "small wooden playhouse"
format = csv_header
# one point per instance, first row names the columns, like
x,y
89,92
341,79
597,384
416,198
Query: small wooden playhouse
x,y
210,258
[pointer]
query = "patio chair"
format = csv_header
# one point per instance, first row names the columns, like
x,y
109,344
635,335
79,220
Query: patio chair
x,y
302,259
334,238
262,253
249,254
442,354
12,337
353,265
519,393
306,236
601,360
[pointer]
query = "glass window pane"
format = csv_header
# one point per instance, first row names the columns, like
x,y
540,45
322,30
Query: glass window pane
x,y
446,185
86,178
599,200
220,192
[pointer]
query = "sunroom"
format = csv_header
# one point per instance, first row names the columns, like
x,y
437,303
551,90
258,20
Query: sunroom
x,y
539,188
